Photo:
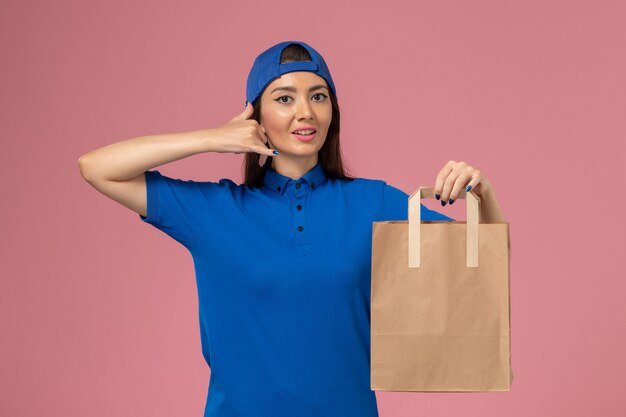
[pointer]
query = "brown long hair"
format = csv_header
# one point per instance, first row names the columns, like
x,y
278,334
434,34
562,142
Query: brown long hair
x,y
329,154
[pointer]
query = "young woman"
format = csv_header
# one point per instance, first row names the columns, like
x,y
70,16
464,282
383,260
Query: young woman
x,y
282,261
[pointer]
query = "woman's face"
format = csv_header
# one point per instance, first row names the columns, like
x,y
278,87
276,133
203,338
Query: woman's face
x,y
296,100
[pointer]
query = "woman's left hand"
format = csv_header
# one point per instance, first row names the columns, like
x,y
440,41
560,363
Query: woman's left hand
x,y
456,176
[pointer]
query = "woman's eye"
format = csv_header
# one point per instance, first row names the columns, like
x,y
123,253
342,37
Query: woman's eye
x,y
284,99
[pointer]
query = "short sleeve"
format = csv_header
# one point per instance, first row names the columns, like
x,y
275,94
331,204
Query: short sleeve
x,y
178,207
397,206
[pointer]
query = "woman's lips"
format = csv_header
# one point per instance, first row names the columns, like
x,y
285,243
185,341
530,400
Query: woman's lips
x,y
305,138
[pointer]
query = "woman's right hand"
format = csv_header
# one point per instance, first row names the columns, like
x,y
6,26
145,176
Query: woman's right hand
x,y
242,134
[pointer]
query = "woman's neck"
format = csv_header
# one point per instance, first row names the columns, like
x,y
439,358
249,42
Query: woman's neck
x,y
293,168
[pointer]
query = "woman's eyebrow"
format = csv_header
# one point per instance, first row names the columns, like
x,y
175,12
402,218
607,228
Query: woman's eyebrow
x,y
292,89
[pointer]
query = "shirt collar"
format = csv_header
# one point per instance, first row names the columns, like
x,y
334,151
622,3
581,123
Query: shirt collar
x,y
276,182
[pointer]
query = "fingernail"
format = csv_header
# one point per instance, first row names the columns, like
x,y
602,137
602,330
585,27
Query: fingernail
x,y
443,203
451,201
437,196
275,152
469,187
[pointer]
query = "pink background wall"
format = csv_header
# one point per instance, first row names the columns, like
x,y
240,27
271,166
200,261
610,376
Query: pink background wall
x,y
98,311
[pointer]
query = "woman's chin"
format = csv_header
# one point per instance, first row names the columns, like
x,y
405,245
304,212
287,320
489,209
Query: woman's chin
x,y
299,152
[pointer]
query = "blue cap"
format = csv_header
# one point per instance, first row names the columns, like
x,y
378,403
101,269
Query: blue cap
x,y
267,68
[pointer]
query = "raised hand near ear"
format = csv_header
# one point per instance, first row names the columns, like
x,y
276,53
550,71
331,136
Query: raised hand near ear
x,y
243,134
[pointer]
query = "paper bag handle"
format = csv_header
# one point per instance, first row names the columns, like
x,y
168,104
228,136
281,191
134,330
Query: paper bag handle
x,y
415,221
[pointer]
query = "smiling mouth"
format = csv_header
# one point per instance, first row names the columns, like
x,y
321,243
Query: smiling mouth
x,y
305,137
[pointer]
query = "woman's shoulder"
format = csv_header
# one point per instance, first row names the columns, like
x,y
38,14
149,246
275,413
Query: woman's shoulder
x,y
374,184
222,181
371,189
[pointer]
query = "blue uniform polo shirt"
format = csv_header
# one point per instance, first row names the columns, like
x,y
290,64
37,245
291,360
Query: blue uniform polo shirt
x,y
283,274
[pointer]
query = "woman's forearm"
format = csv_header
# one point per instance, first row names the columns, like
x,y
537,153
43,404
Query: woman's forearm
x,y
490,210
121,161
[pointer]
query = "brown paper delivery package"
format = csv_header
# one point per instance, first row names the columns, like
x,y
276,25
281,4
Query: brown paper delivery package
x,y
440,302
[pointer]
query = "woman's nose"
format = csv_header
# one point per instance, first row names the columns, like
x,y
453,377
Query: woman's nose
x,y
303,109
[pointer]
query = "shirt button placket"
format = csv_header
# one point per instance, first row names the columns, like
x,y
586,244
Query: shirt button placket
x,y
300,197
